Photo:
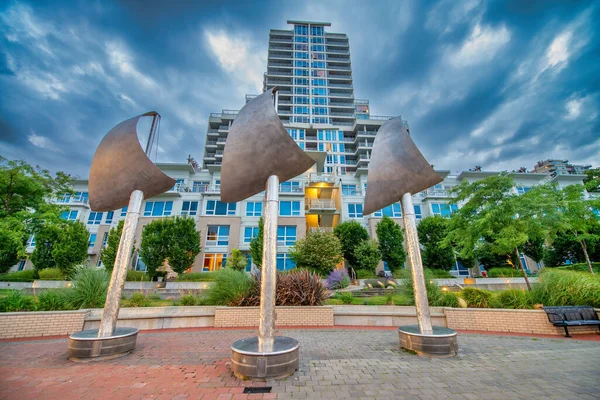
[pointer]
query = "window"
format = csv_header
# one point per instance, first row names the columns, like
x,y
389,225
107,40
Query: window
x,y
94,218
92,240
523,189
316,30
301,46
362,116
303,120
285,262
69,215
320,120
140,265
523,261
286,235
301,54
349,190
290,187
158,209
200,186
318,56
289,208
248,262
216,207
392,211
178,187
355,210
99,264
317,47
445,210
318,64
418,214
301,90
301,110
253,209
109,217
31,241
189,208
301,72
320,73
296,134
300,100
320,110
217,235
301,81
78,197
250,232
319,82
301,30
301,64
320,101
300,39
124,212
214,261
317,40
21,265
319,92
104,239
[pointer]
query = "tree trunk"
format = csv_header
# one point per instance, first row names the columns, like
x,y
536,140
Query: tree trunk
x,y
587,257
522,269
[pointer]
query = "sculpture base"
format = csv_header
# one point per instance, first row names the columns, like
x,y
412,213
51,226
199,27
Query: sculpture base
x,y
442,343
249,363
86,346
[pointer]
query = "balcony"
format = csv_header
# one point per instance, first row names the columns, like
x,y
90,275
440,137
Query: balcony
x,y
279,64
366,133
319,228
211,143
281,47
363,145
338,67
321,205
213,132
336,51
338,104
224,128
341,94
322,178
341,114
436,193
339,85
278,73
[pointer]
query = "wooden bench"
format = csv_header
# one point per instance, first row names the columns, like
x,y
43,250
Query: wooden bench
x,y
566,316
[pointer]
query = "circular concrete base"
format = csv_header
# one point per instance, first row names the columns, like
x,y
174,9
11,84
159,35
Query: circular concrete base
x,y
249,363
442,343
86,346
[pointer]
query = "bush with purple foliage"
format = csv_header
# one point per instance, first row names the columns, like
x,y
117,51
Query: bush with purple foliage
x,y
337,279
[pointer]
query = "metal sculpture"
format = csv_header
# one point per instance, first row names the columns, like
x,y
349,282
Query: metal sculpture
x,y
397,170
259,152
121,174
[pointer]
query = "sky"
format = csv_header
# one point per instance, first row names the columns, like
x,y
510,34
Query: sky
x,y
499,84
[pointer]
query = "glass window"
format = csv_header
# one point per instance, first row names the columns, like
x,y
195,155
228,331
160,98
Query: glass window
x,y
301,90
392,211
104,239
317,47
418,214
317,40
301,63
349,190
92,241
214,261
94,218
301,81
318,56
362,116
140,265
285,262
300,39
158,209
286,235
319,91
320,120
217,235
303,120
301,110
289,208
319,82
318,64
216,207
301,72
523,189
301,55
71,215
109,217
320,110
301,46
124,212
355,210
253,209
296,134
290,187
250,232
300,100
316,30
31,241
178,187
189,208
321,73
319,101
445,210
200,186
248,262
301,30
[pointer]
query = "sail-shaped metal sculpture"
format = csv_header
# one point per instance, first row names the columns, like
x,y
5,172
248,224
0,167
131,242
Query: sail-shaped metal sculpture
x,y
257,147
121,175
259,153
397,167
121,166
397,170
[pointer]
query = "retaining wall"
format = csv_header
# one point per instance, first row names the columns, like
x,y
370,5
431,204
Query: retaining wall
x,y
284,316
45,323
157,317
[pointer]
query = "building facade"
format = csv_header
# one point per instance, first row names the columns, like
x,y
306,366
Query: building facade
x,y
559,167
312,69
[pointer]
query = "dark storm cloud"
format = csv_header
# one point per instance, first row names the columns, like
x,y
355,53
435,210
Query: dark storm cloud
x,y
499,84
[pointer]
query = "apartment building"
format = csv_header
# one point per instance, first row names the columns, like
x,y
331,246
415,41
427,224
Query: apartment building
x,y
559,167
317,105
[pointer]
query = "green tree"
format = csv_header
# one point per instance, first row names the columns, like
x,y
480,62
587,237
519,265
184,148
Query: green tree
x,y
367,255
45,237
184,243
493,210
534,249
109,253
256,244
436,253
236,260
154,249
390,241
71,248
25,188
318,251
12,242
578,217
592,180
351,234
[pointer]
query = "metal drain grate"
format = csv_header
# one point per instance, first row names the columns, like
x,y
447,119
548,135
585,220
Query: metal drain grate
x,y
264,389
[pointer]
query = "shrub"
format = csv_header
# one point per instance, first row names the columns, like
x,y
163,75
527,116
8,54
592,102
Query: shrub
x,y
337,279
364,274
434,293
236,260
438,274
229,289
351,234
504,273
53,300
447,299
89,288
581,267
197,277
189,300
294,288
514,298
16,301
567,288
319,251
367,255
136,276
346,297
27,275
51,274
139,299
477,298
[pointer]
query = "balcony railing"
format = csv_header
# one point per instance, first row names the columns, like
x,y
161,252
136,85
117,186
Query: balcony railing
x,y
321,204
338,67
336,104
339,85
322,178
437,193
341,114
211,142
380,117
221,140
224,127
339,123
341,94
320,229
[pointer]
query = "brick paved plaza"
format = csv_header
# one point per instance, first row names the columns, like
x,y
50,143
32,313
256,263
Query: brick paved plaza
x,y
335,363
